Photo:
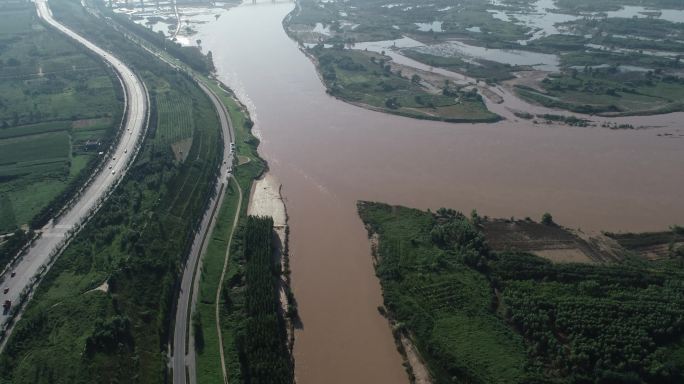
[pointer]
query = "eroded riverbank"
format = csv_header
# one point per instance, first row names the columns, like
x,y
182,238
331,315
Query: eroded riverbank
x,y
329,154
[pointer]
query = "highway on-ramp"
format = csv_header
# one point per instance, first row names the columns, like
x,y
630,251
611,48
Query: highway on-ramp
x,y
54,234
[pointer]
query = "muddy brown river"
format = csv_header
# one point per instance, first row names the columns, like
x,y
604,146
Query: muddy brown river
x,y
329,154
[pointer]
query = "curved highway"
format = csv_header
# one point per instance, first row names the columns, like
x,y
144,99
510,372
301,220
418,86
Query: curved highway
x,y
53,235
184,354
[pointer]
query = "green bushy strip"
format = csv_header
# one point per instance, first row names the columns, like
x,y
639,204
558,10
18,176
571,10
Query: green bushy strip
x,y
261,341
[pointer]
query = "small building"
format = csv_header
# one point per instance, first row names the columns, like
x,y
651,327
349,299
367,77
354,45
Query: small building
x,y
91,145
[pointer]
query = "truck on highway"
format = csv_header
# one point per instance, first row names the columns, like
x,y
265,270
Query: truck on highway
x,y
6,307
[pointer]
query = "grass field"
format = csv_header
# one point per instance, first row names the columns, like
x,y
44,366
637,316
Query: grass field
x,y
208,362
48,88
365,78
489,71
609,91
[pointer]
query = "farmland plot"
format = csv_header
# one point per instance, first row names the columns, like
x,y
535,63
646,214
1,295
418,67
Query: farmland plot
x,y
48,88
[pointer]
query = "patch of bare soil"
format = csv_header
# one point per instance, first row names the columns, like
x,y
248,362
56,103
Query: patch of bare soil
x,y
649,245
601,247
491,95
306,34
530,79
657,252
87,123
104,287
243,160
265,200
570,255
181,149
432,82
552,242
420,373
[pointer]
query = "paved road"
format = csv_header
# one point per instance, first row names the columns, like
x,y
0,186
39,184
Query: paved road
x,y
54,234
183,355
191,273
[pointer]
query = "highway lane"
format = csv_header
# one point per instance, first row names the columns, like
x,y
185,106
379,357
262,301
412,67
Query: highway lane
x,y
192,270
183,355
54,234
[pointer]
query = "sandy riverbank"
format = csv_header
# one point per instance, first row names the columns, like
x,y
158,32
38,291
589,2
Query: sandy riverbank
x,y
266,200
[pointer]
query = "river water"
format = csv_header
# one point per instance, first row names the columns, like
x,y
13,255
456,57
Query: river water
x,y
329,154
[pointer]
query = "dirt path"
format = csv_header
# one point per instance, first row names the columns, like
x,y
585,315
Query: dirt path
x,y
421,375
223,275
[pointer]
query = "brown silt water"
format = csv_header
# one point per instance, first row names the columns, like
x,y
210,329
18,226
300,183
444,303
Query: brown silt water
x,y
329,154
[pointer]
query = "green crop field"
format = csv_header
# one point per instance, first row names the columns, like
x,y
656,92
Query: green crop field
x,y
34,149
176,111
480,316
49,86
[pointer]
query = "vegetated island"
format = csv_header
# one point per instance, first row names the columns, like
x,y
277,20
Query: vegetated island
x,y
475,299
373,81
588,58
